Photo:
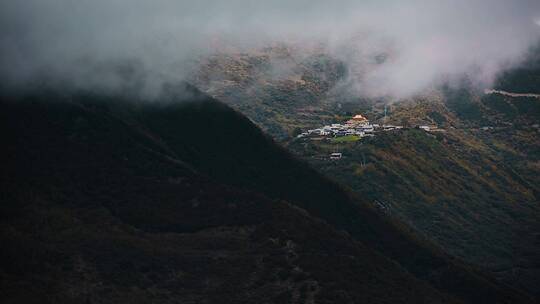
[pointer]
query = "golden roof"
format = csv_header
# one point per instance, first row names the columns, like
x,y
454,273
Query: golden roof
x,y
359,117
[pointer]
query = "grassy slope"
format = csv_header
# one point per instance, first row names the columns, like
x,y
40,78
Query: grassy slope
x,y
472,191
279,88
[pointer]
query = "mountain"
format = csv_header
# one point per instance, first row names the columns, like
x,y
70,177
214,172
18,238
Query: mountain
x,y
109,199
471,188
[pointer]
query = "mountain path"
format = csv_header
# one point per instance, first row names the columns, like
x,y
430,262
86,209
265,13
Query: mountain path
x,y
505,93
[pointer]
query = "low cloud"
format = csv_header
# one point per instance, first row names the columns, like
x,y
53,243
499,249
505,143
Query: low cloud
x,y
391,47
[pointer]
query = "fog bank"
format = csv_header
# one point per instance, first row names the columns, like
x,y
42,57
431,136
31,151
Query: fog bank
x,y
140,45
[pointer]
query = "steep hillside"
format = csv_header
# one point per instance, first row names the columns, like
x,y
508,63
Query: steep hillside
x,y
280,88
99,209
472,188
107,201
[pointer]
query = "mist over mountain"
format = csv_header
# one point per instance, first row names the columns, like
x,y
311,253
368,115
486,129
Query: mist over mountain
x,y
390,48
270,152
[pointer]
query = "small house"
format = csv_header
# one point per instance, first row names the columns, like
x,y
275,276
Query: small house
x,y
336,155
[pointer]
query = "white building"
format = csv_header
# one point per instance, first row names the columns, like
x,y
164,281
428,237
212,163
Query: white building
x,y
336,155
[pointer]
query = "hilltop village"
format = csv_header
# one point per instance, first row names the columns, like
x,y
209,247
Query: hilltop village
x,y
357,127
354,129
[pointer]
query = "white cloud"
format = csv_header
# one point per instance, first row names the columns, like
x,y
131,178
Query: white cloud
x,y
83,41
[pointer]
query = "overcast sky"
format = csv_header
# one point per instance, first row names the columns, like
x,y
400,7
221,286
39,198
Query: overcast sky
x,y
81,41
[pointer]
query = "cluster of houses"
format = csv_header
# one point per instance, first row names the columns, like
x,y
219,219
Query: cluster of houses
x,y
358,126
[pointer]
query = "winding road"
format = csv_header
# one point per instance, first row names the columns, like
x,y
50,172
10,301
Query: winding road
x,y
512,94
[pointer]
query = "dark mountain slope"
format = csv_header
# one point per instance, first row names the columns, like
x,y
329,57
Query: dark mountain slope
x,y
94,210
524,78
106,200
